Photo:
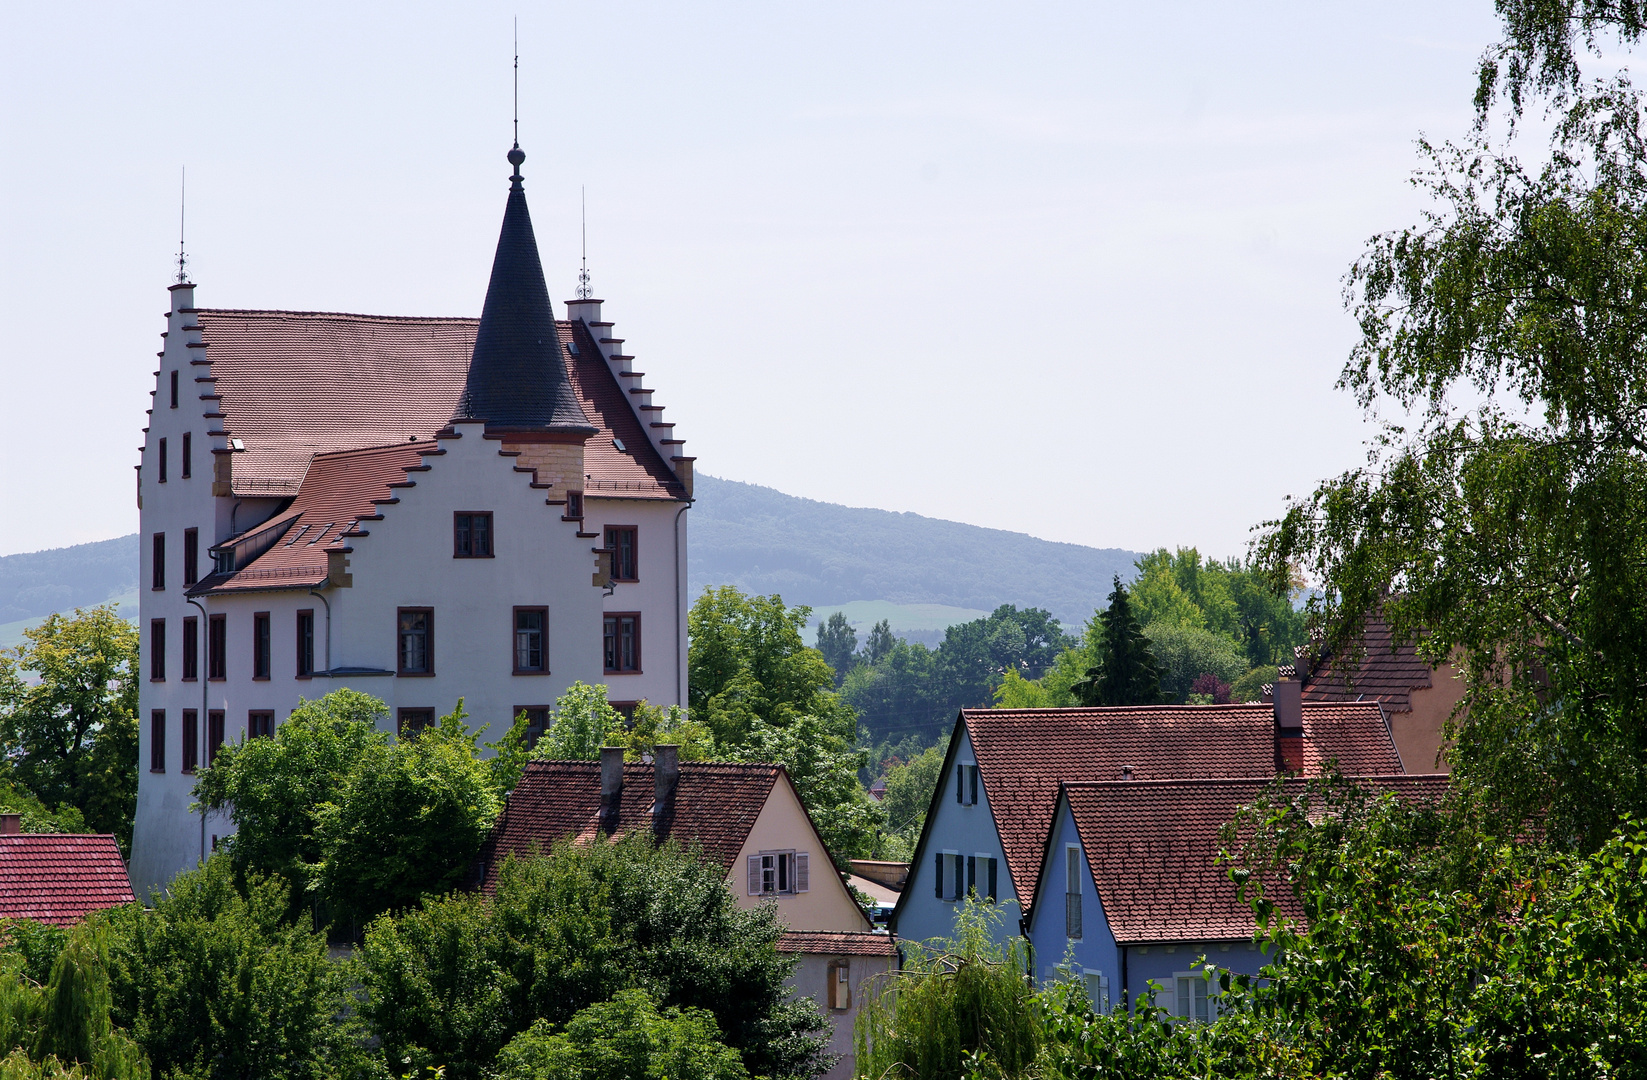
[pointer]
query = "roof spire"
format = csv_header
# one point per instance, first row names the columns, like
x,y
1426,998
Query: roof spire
x,y
584,289
516,154
182,207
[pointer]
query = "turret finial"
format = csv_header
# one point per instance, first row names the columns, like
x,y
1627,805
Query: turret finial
x,y
182,207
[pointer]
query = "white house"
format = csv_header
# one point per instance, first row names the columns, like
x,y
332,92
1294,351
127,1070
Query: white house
x,y
422,509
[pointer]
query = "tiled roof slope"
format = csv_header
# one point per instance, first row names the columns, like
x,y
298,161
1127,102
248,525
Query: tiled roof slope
x,y
716,804
1023,754
340,489
294,384
1152,848
1389,673
836,943
60,879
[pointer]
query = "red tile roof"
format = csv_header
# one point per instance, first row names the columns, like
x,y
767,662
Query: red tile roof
x,y
1389,673
60,879
836,943
1023,754
1152,848
295,384
716,804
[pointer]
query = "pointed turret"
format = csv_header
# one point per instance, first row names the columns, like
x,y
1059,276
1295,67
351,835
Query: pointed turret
x,y
517,376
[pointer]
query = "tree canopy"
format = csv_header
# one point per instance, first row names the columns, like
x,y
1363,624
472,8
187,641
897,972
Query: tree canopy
x,y
1126,673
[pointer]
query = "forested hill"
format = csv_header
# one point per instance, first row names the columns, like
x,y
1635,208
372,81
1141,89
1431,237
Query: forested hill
x,y
753,537
823,554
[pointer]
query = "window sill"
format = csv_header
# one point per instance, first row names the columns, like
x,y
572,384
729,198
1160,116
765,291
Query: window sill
x,y
474,556
189,678
626,580
303,678
217,678
415,674
531,671
637,671
160,679
260,678
157,772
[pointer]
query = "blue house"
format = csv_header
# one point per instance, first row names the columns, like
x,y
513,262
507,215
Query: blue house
x,y
1130,890
987,825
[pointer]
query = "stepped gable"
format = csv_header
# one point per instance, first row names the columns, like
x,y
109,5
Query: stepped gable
x,y
517,379
1023,754
59,879
1152,847
1389,673
715,805
637,471
340,490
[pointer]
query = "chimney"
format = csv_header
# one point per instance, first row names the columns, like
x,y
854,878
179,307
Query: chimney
x,y
1126,772
1289,706
666,772
11,824
611,786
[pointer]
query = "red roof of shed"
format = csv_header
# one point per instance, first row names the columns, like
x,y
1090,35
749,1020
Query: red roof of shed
x,y
60,878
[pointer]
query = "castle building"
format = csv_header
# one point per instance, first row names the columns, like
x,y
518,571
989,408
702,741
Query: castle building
x,y
420,509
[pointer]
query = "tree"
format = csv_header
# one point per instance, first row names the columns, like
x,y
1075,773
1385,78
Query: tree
x,y
838,643
909,789
450,984
975,656
652,726
1125,673
899,694
1183,654
579,727
824,768
627,1038
879,642
70,734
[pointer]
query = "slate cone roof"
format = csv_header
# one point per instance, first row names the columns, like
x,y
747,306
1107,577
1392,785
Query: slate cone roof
x,y
60,878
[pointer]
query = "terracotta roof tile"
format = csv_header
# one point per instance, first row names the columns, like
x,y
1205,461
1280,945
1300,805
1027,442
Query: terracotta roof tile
x,y
1023,754
838,943
1152,848
60,879
716,804
1389,673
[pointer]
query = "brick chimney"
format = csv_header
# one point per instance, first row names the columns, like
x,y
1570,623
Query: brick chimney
x,y
666,773
11,824
611,786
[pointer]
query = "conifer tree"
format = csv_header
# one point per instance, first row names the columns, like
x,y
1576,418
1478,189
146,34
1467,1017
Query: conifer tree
x,y
1125,673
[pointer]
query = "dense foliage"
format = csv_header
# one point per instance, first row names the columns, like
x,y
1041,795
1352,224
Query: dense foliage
x,y
626,1038
1125,672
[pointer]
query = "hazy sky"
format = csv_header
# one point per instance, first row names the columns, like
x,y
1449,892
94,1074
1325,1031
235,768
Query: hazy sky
x,y
1066,269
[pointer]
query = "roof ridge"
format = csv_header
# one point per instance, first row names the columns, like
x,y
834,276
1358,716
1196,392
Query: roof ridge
x,y
288,313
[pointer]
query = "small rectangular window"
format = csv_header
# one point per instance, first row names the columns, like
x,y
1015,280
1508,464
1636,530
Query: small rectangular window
x,y
260,724
537,721
779,873
191,740
157,564
157,650
217,642
966,784
838,984
1192,1001
574,504
413,721
191,649
214,734
621,541
260,645
1072,893
305,643
472,535
157,740
188,455
162,461
414,650
531,639
622,643
174,389
191,556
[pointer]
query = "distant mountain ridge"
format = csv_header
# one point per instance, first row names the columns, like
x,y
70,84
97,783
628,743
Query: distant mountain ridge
x,y
759,539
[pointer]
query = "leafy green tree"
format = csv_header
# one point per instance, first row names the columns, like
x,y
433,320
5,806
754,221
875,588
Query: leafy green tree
x,y
580,724
1183,654
1125,673
69,734
899,694
879,642
627,1038
747,662
217,984
838,643
824,768
450,984
975,656
1250,687
909,789
652,726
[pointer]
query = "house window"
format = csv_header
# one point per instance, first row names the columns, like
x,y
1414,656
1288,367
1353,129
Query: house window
x,y
415,652
260,645
574,504
157,650
623,643
1097,984
157,740
839,986
162,461
188,455
1192,1001
537,721
620,541
191,649
217,641
472,535
260,724
157,566
191,740
1072,892
531,626
214,734
413,721
174,389
778,873
191,555
305,643
966,785
981,878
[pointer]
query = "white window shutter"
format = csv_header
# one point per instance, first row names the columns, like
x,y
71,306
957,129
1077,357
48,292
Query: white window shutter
x,y
754,875
801,860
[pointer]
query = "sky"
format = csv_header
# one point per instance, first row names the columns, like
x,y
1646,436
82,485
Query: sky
x,y
1068,269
